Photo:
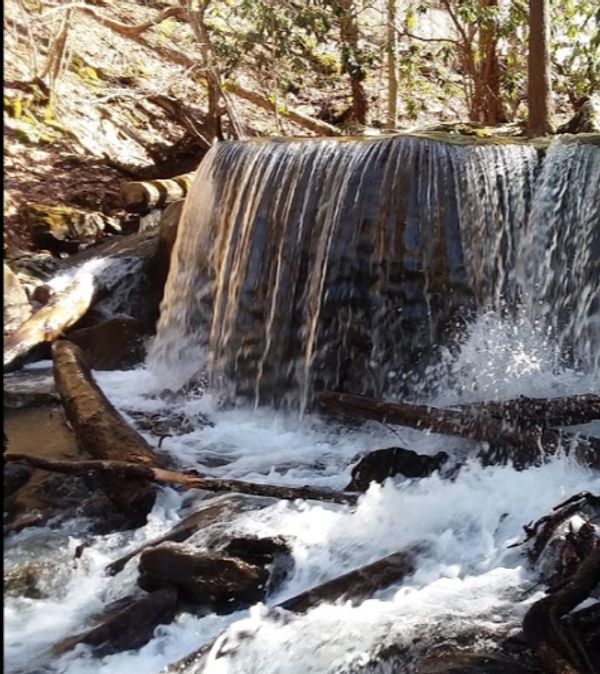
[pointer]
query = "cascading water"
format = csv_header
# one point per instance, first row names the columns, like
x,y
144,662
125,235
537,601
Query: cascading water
x,y
303,265
306,264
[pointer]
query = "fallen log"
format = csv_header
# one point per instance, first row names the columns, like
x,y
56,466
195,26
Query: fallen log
x,y
49,322
541,625
102,432
219,509
352,586
524,446
122,470
567,411
142,196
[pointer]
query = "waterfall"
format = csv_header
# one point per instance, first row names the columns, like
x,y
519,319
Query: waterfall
x,y
302,265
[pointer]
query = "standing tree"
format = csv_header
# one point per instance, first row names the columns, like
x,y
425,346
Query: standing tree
x,y
539,88
392,65
352,57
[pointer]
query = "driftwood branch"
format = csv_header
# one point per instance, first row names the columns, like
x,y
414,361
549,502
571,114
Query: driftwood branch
x,y
122,470
524,446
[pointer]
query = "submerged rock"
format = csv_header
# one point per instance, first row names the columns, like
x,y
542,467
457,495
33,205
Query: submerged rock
x,y
380,464
126,624
217,582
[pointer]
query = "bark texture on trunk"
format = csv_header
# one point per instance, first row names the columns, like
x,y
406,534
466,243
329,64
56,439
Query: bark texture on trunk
x,y
539,87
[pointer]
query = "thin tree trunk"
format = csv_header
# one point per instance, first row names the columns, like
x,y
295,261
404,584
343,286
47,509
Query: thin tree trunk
x,y
489,75
392,65
539,87
351,59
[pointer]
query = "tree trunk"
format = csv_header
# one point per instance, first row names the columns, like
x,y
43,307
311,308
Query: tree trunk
x,y
491,103
392,65
351,59
539,88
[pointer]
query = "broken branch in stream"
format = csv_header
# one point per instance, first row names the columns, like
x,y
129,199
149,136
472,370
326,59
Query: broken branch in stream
x,y
124,470
525,446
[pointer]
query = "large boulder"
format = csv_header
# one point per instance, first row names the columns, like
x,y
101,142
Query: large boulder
x,y
216,582
115,344
16,304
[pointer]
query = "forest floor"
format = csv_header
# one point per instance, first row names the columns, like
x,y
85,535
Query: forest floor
x,y
97,124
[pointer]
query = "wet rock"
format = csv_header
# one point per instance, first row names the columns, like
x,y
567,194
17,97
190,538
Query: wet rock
x,y
215,581
380,464
15,476
31,268
586,119
472,663
272,554
28,389
126,624
116,344
16,305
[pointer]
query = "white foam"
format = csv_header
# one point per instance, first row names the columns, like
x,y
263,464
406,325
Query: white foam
x,y
468,578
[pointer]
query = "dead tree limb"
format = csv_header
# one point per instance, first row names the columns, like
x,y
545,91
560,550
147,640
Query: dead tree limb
x,y
182,115
123,470
523,446
567,411
102,432
219,509
541,624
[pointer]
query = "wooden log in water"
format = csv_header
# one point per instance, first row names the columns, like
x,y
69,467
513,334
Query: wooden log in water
x,y
355,585
49,322
102,432
564,411
142,196
219,509
524,446
126,472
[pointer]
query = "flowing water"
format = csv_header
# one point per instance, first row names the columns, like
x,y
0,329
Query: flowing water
x,y
400,266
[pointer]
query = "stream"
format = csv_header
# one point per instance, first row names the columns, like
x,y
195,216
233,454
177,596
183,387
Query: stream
x,y
477,251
